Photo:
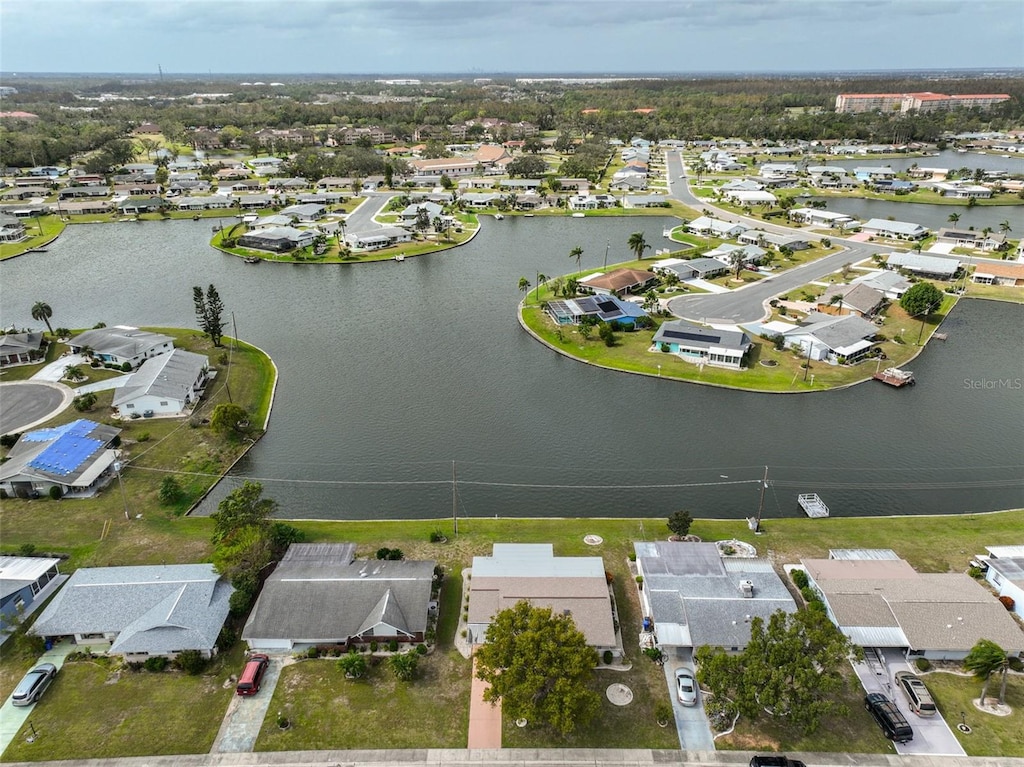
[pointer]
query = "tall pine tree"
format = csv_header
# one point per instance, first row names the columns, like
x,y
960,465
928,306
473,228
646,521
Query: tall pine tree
x,y
209,312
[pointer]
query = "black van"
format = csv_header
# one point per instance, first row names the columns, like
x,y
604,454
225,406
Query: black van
x,y
889,718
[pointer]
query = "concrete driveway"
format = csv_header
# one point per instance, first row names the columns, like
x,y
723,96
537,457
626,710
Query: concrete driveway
x,y
245,714
932,735
13,717
691,721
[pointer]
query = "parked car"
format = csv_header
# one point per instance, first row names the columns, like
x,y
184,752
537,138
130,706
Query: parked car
x,y
916,693
252,674
775,760
889,718
34,684
686,687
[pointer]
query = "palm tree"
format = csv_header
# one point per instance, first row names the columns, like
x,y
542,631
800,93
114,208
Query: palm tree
x,y
540,278
524,286
577,253
1004,227
736,259
42,311
637,244
953,218
985,659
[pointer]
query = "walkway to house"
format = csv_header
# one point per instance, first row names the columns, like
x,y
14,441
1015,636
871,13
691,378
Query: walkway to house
x,y
13,717
710,287
484,718
245,714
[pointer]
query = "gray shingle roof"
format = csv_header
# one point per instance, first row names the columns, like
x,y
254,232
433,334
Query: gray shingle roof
x,y
169,375
321,599
124,342
155,609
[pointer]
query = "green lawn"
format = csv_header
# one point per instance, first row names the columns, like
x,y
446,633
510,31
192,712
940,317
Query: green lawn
x,y
990,735
996,292
40,231
328,711
93,711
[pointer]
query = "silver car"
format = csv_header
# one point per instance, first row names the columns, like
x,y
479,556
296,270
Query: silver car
x,y
686,687
31,688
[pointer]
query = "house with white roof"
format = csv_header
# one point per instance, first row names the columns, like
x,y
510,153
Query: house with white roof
x,y
376,239
76,458
688,269
816,217
122,343
743,197
895,230
573,586
1005,573
882,602
694,596
140,611
166,385
714,227
935,267
963,190
751,254
22,580
773,240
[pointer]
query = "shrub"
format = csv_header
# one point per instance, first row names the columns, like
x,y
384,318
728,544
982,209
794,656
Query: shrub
x,y
142,436
390,554
663,712
170,491
373,647
26,549
126,367
353,664
809,595
192,662
393,645
607,657
404,666
800,579
437,537
923,664
56,493
1016,664
975,572
156,664
665,348
313,652
226,638
8,440
421,649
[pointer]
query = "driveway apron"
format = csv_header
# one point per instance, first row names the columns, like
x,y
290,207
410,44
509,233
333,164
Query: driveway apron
x,y
245,714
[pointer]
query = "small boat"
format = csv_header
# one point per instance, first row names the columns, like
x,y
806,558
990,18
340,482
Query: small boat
x,y
498,217
527,215
399,258
252,259
578,215
196,217
895,377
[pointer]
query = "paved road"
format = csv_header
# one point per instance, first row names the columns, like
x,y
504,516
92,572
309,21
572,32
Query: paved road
x,y
520,758
24,404
361,219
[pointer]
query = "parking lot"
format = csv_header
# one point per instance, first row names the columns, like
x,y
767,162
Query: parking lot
x,y
932,734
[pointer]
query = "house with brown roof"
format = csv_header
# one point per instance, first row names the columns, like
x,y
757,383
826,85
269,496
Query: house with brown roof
x,y
574,586
490,154
619,281
999,274
882,602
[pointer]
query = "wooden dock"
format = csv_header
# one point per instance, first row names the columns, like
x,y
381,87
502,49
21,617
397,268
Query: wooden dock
x,y
895,377
812,505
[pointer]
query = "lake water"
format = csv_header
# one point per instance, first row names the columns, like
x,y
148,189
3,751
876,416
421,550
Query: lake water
x,y
932,216
392,371
948,159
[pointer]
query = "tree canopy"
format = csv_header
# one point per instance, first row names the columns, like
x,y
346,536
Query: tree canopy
x,y
209,312
539,666
790,670
921,298
985,659
243,507
528,165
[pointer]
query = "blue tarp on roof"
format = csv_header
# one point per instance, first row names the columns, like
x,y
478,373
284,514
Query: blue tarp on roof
x,y
79,428
66,454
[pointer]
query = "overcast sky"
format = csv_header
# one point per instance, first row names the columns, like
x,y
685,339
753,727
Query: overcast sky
x,y
514,36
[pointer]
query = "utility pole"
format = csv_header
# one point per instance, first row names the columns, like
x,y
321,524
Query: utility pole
x,y
455,502
760,504
607,247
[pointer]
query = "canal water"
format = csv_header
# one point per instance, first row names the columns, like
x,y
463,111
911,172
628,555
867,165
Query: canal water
x,y
391,372
932,216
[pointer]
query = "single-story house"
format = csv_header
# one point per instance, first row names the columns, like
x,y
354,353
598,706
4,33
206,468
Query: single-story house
x,y
741,197
963,190
606,308
140,611
895,185
411,213
773,240
1005,573
452,167
277,240
896,230
375,239
134,205
86,207
19,348
715,227
892,285
702,345
856,298
591,201
694,596
12,229
870,173
286,184
320,594
21,579
72,192
306,212
121,343
644,201
834,339
816,217
775,169
751,254
480,199
574,586
688,269
165,385
334,182
211,202
885,603
999,274
629,182
834,181
253,201
273,221
521,184
744,185
618,282
969,238
936,267
75,457
475,183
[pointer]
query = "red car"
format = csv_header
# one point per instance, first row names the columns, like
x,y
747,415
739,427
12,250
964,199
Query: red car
x,y
252,674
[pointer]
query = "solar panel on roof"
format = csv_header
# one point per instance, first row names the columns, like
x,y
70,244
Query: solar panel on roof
x,y
679,334
607,306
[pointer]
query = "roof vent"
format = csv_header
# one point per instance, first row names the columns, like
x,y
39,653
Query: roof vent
x,y
747,589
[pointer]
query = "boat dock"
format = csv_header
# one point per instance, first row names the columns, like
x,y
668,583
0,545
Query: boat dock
x,y
895,377
812,505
